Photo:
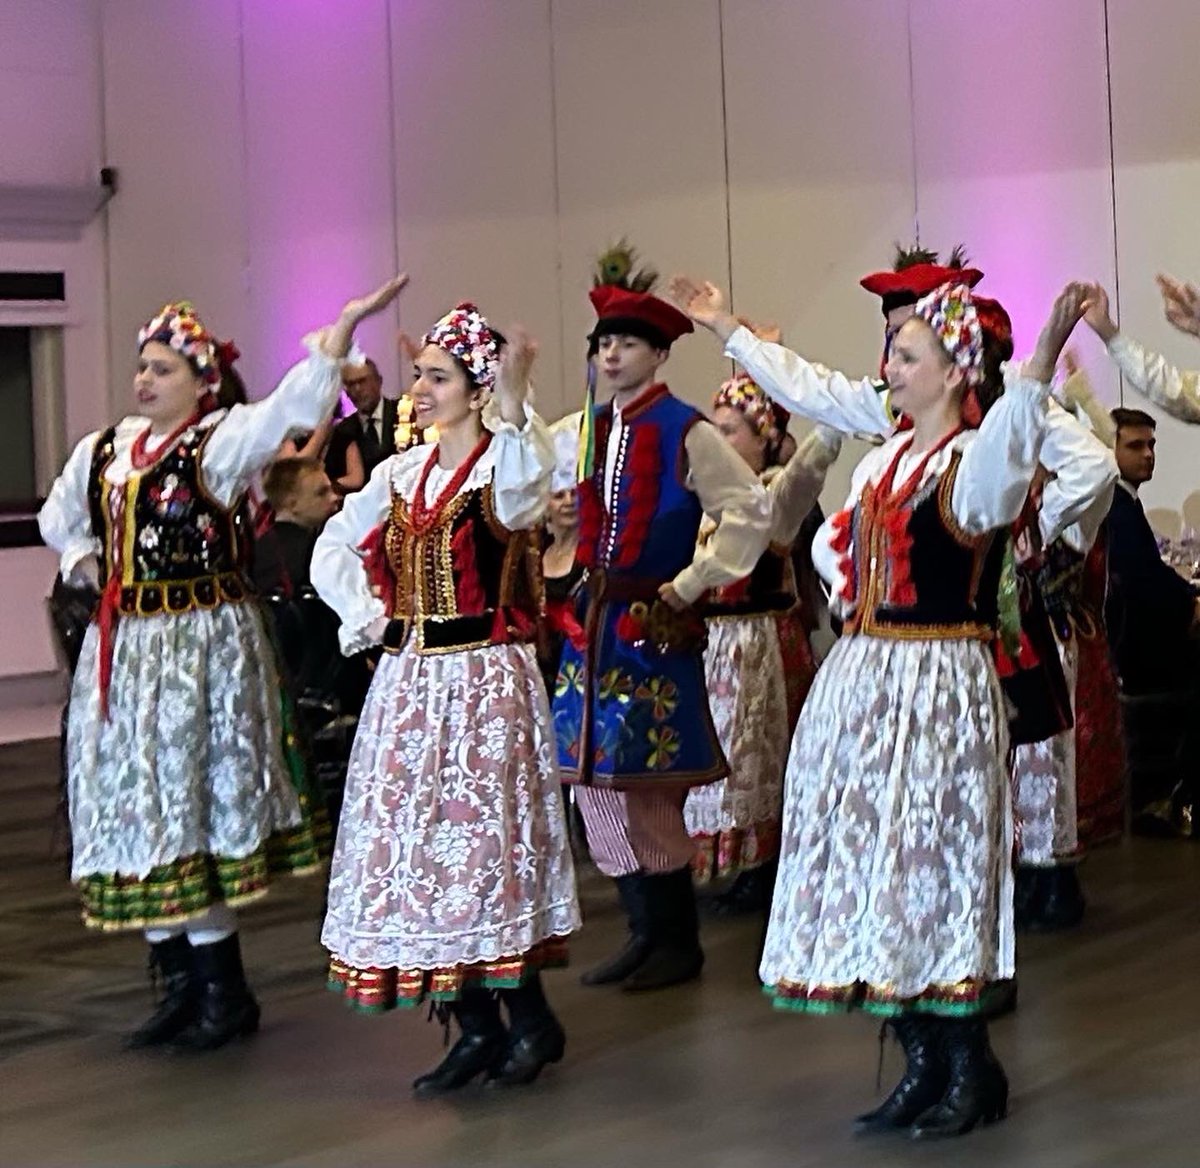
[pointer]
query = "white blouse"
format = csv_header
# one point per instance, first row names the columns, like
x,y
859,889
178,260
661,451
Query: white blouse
x,y
998,459
1176,390
244,440
793,488
518,464
1076,500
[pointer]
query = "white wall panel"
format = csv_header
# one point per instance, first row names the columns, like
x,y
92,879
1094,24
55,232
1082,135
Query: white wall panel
x,y
641,154
475,182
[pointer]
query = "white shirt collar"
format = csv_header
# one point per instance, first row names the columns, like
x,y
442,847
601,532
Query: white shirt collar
x,y
1129,487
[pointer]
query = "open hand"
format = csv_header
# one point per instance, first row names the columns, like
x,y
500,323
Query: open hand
x,y
337,336
704,303
513,376
1065,313
363,306
1181,304
1097,314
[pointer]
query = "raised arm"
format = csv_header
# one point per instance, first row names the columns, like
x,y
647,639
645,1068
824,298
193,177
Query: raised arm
x,y
1176,390
338,572
795,489
1077,392
998,466
248,437
524,451
1076,500
730,494
849,405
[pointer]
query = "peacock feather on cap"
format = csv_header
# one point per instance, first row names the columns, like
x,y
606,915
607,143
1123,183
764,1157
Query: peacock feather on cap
x,y
616,267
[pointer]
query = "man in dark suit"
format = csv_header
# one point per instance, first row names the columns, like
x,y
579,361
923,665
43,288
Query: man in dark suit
x,y
1152,610
372,426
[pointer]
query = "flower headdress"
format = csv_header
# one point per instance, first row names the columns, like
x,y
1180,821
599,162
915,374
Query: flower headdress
x,y
178,327
464,333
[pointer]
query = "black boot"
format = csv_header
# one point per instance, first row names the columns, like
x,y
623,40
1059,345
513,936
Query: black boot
x,y
924,1081
750,893
978,1087
632,890
1028,893
1063,904
676,956
481,1044
536,1036
172,959
225,1007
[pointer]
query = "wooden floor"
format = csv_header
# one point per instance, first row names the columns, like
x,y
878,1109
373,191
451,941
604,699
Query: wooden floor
x,y
1103,1053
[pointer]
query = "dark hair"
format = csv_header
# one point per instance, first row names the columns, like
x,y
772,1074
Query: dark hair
x,y
369,362
232,390
1125,417
283,477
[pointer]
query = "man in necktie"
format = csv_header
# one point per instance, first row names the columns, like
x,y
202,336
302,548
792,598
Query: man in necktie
x,y
372,425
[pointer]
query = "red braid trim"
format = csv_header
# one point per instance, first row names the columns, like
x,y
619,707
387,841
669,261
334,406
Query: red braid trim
x,y
644,467
470,596
375,561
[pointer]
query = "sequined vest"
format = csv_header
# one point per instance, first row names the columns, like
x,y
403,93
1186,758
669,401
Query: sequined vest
x,y
463,582
176,548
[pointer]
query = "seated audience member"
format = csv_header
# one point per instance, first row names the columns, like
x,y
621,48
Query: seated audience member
x,y
1152,611
370,431
302,498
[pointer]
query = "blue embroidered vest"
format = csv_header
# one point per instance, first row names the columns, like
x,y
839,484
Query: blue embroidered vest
x,y
632,709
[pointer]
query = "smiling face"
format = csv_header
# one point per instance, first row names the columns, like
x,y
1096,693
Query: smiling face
x,y
167,388
443,395
625,364
919,371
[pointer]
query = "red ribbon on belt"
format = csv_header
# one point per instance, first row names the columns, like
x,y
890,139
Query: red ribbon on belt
x,y
106,618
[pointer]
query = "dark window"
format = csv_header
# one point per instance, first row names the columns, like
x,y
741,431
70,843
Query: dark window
x,y
18,479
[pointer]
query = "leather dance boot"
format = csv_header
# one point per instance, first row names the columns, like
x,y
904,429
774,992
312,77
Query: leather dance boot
x,y
176,1010
225,1007
536,1036
676,956
481,1044
1063,904
632,890
924,1081
977,1089
750,893
1028,893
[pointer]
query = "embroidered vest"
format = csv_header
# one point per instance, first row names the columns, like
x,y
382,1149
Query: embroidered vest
x,y
771,587
176,548
912,572
464,582
646,534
